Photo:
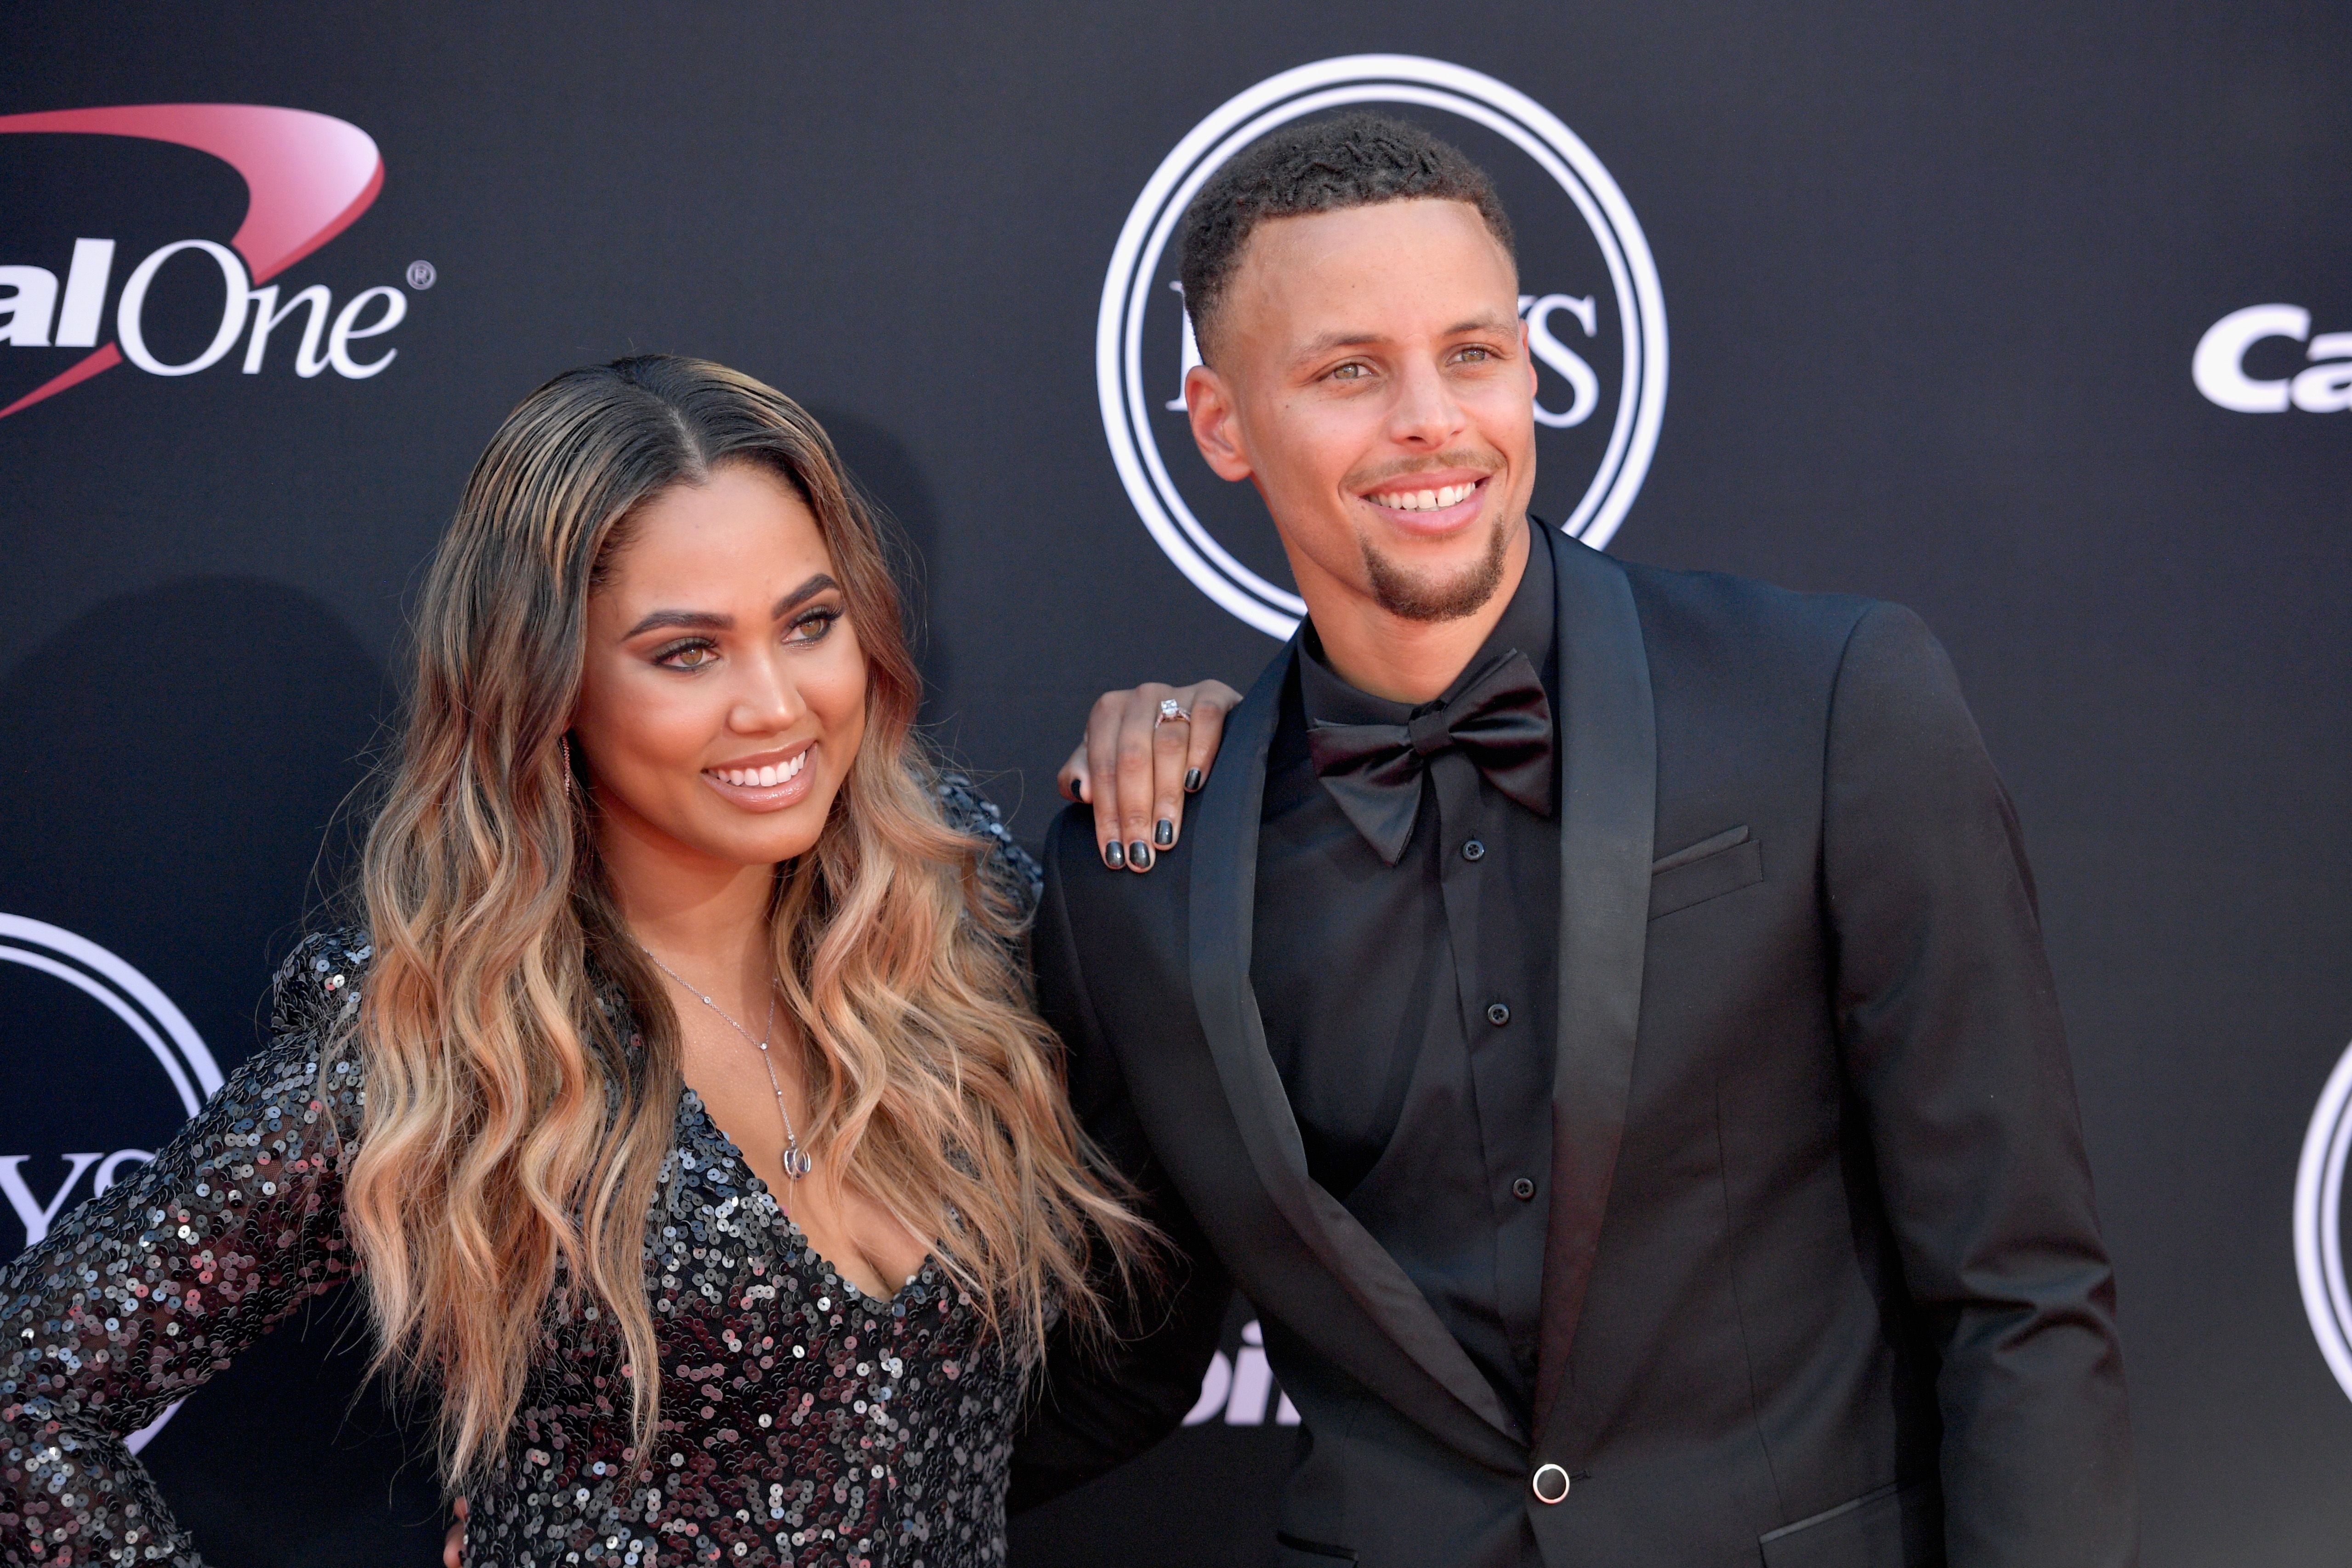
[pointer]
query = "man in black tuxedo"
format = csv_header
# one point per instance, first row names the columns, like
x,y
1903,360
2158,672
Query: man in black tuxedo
x,y
1597,1014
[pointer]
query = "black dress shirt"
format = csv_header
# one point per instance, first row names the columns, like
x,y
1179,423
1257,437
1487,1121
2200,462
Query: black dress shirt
x,y
1410,1009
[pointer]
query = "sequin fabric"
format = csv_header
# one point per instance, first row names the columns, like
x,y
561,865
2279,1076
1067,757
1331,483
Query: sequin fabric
x,y
804,1422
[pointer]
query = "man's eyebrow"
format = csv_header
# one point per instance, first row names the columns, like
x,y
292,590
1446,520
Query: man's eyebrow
x,y
712,621
1486,321
1339,340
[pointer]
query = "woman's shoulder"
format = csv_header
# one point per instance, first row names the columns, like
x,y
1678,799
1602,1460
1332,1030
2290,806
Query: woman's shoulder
x,y
318,986
1012,867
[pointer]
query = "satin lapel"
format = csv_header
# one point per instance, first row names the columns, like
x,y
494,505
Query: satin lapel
x,y
1609,785
1435,1382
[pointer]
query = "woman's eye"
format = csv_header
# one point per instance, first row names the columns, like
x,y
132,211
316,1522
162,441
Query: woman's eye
x,y
688,655
814,626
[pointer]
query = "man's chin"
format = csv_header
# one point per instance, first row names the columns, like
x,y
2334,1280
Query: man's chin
x,y
1418,592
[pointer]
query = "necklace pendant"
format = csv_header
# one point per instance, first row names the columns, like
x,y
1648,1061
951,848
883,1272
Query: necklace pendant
x,y
796,1163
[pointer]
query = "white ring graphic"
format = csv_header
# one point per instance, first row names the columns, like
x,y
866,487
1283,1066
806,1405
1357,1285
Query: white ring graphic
x,y
135,999
1326,84
126,993
2319,1223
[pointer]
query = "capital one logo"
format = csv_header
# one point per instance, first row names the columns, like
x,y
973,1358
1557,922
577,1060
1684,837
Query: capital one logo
x,y
2219,366
308,177
1596,320
110,1035
2319,1223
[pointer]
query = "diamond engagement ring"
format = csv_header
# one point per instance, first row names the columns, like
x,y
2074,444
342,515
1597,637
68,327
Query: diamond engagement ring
x,y
1169,712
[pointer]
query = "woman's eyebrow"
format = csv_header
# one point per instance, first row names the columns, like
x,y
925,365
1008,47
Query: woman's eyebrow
x,y
712,621
695,620
806,591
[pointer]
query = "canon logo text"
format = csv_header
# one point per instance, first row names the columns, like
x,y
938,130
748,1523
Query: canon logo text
x,y
2219,365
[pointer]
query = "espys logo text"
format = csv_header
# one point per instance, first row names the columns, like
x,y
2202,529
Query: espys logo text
x,y
120,1070
2219,366
1596,320
308,177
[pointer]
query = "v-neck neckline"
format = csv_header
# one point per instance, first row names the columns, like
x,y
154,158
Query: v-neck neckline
x,y
692,1108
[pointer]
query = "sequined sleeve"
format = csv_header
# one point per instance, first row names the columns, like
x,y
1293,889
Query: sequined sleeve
x,y
140,1294
1011,867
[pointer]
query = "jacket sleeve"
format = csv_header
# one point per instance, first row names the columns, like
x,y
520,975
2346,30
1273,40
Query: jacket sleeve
x,y
144,1291
1103,1399
1954,1049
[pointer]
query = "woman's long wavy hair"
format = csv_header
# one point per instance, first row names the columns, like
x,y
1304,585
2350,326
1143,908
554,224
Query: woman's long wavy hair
x,y
515,1130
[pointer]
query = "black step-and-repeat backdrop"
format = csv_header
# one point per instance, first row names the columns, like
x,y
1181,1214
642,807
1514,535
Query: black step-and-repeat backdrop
x,y
2036,318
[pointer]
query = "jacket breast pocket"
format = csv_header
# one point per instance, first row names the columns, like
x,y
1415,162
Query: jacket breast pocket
x,y
1893,1527
1709,868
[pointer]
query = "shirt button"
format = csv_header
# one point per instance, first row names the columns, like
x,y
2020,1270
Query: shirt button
x,y
1474,850
1498,1015
1523,1189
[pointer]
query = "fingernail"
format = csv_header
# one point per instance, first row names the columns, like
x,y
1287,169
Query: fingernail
x,y
1164,834
1192,782
1138,856
1113,857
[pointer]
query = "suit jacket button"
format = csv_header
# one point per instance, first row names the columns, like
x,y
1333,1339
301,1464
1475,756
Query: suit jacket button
x,y
1523,1189
1497,1014
1550,1484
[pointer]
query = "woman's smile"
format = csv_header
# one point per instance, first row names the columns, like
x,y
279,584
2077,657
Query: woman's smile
x,y
770,781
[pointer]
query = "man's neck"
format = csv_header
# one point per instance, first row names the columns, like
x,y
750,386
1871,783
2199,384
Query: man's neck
x,y
1385,655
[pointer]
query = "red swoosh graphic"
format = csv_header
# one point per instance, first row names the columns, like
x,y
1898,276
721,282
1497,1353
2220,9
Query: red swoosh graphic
x,y
306,177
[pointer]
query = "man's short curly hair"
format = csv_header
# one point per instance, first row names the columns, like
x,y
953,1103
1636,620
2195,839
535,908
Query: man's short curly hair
x,y
1351,160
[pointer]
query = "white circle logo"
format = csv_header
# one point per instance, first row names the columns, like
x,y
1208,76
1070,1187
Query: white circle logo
x,y
130,995
1587,248
2319,1223
38,1198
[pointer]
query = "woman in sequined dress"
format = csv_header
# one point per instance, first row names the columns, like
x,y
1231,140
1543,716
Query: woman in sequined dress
x,y
673,1095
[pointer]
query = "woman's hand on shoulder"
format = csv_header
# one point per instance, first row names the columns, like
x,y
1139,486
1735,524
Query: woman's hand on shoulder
x,y
1140,759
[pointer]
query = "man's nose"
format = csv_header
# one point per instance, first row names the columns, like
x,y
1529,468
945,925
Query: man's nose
x,y
1426,413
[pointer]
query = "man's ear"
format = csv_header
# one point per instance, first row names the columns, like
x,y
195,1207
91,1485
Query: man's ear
x,y
1527,358
1216,423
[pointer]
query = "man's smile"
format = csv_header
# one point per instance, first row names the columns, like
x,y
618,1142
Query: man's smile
x,y
1430,503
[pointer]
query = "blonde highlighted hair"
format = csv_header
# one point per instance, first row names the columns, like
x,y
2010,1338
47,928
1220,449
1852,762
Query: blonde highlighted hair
x,y
514,1131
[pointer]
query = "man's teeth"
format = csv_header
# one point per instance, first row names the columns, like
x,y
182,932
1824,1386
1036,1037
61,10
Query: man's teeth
x,y
764,778
1427,500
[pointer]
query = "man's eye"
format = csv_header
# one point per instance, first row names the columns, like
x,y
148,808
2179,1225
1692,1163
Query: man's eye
x,y
1476,352
1351,373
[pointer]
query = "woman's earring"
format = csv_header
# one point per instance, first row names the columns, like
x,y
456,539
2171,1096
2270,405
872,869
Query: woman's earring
x,y
565,742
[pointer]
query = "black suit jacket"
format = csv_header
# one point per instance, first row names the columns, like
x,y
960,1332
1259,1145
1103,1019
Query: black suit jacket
x,y
1824,1284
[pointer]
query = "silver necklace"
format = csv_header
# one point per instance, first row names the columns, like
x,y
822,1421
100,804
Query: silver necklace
x,y
794,1159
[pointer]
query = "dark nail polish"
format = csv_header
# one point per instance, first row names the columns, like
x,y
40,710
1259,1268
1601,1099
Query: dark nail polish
x,y
1114,855
1192,782
1164,834
1138,856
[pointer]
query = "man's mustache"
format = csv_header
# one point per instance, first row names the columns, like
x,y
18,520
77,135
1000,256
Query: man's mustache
x,y
1485,464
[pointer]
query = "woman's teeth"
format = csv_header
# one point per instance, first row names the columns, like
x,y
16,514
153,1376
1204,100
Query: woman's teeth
x,y
762,778
1427,500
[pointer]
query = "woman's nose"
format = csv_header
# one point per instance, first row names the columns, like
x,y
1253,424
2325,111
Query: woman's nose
x,y
769,700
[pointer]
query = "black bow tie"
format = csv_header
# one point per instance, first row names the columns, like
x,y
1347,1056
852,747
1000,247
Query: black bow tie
x,y
1501,722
